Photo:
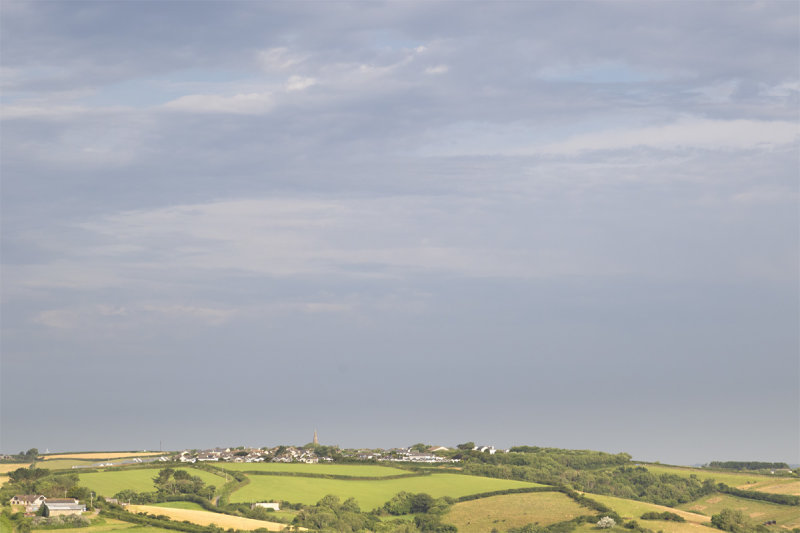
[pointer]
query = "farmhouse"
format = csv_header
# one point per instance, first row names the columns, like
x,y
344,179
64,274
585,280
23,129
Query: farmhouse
x,y
32,502
62,509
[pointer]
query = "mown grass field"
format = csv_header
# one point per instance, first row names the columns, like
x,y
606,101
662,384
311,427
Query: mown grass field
x,y
99,455
513,510
283,514
655,525
632,509
369,494
205,518
139,480
328,469
758,511
10,467
740,480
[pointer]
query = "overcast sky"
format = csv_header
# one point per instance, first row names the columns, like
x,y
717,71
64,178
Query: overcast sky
x,y
546,223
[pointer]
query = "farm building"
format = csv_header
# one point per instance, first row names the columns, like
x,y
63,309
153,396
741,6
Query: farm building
x,y
62,509
267,505
32,502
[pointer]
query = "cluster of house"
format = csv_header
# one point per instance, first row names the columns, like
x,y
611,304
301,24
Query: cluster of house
x,y
52,506
292,454
278,454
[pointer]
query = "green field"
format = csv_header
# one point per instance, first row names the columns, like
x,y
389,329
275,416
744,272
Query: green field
x,y
118,526
733,479
57,464
369,494
180,505
757,511
513,510
139,480
329,469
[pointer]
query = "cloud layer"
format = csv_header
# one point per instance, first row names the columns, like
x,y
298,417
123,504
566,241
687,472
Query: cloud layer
x,y
314,202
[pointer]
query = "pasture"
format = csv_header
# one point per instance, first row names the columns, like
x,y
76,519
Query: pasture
x,y
108,483
326,469
742,480
513,510
757,511
205,518
368,493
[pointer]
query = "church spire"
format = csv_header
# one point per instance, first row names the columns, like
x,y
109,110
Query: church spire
x,y
316,439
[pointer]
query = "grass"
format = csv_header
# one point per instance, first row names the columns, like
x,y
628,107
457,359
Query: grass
x,y
758,511
205,518
513,510
136,479
338,470
369,494
741,480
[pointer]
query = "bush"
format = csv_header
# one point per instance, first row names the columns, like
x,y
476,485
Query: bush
x,y
606,522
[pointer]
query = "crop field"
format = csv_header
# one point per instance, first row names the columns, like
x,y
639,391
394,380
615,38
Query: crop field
x,y
757,511
205,518
513,510
329,469
99,455
369,494
10,467
740,480
138,480
632,509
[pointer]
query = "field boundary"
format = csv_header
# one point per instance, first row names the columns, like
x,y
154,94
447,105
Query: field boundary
x,y
339,477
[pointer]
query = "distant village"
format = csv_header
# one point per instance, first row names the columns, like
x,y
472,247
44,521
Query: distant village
x,y
313,454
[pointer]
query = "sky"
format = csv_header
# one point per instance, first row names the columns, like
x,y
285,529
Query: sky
x,y
569,224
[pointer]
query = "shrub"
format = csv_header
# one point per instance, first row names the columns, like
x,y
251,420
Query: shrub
x,y
606,522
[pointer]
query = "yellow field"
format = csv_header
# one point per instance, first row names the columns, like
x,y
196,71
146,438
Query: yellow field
x,y
657,525
633,510
3,479
4,469
513,510
101,455
205,518
775,486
